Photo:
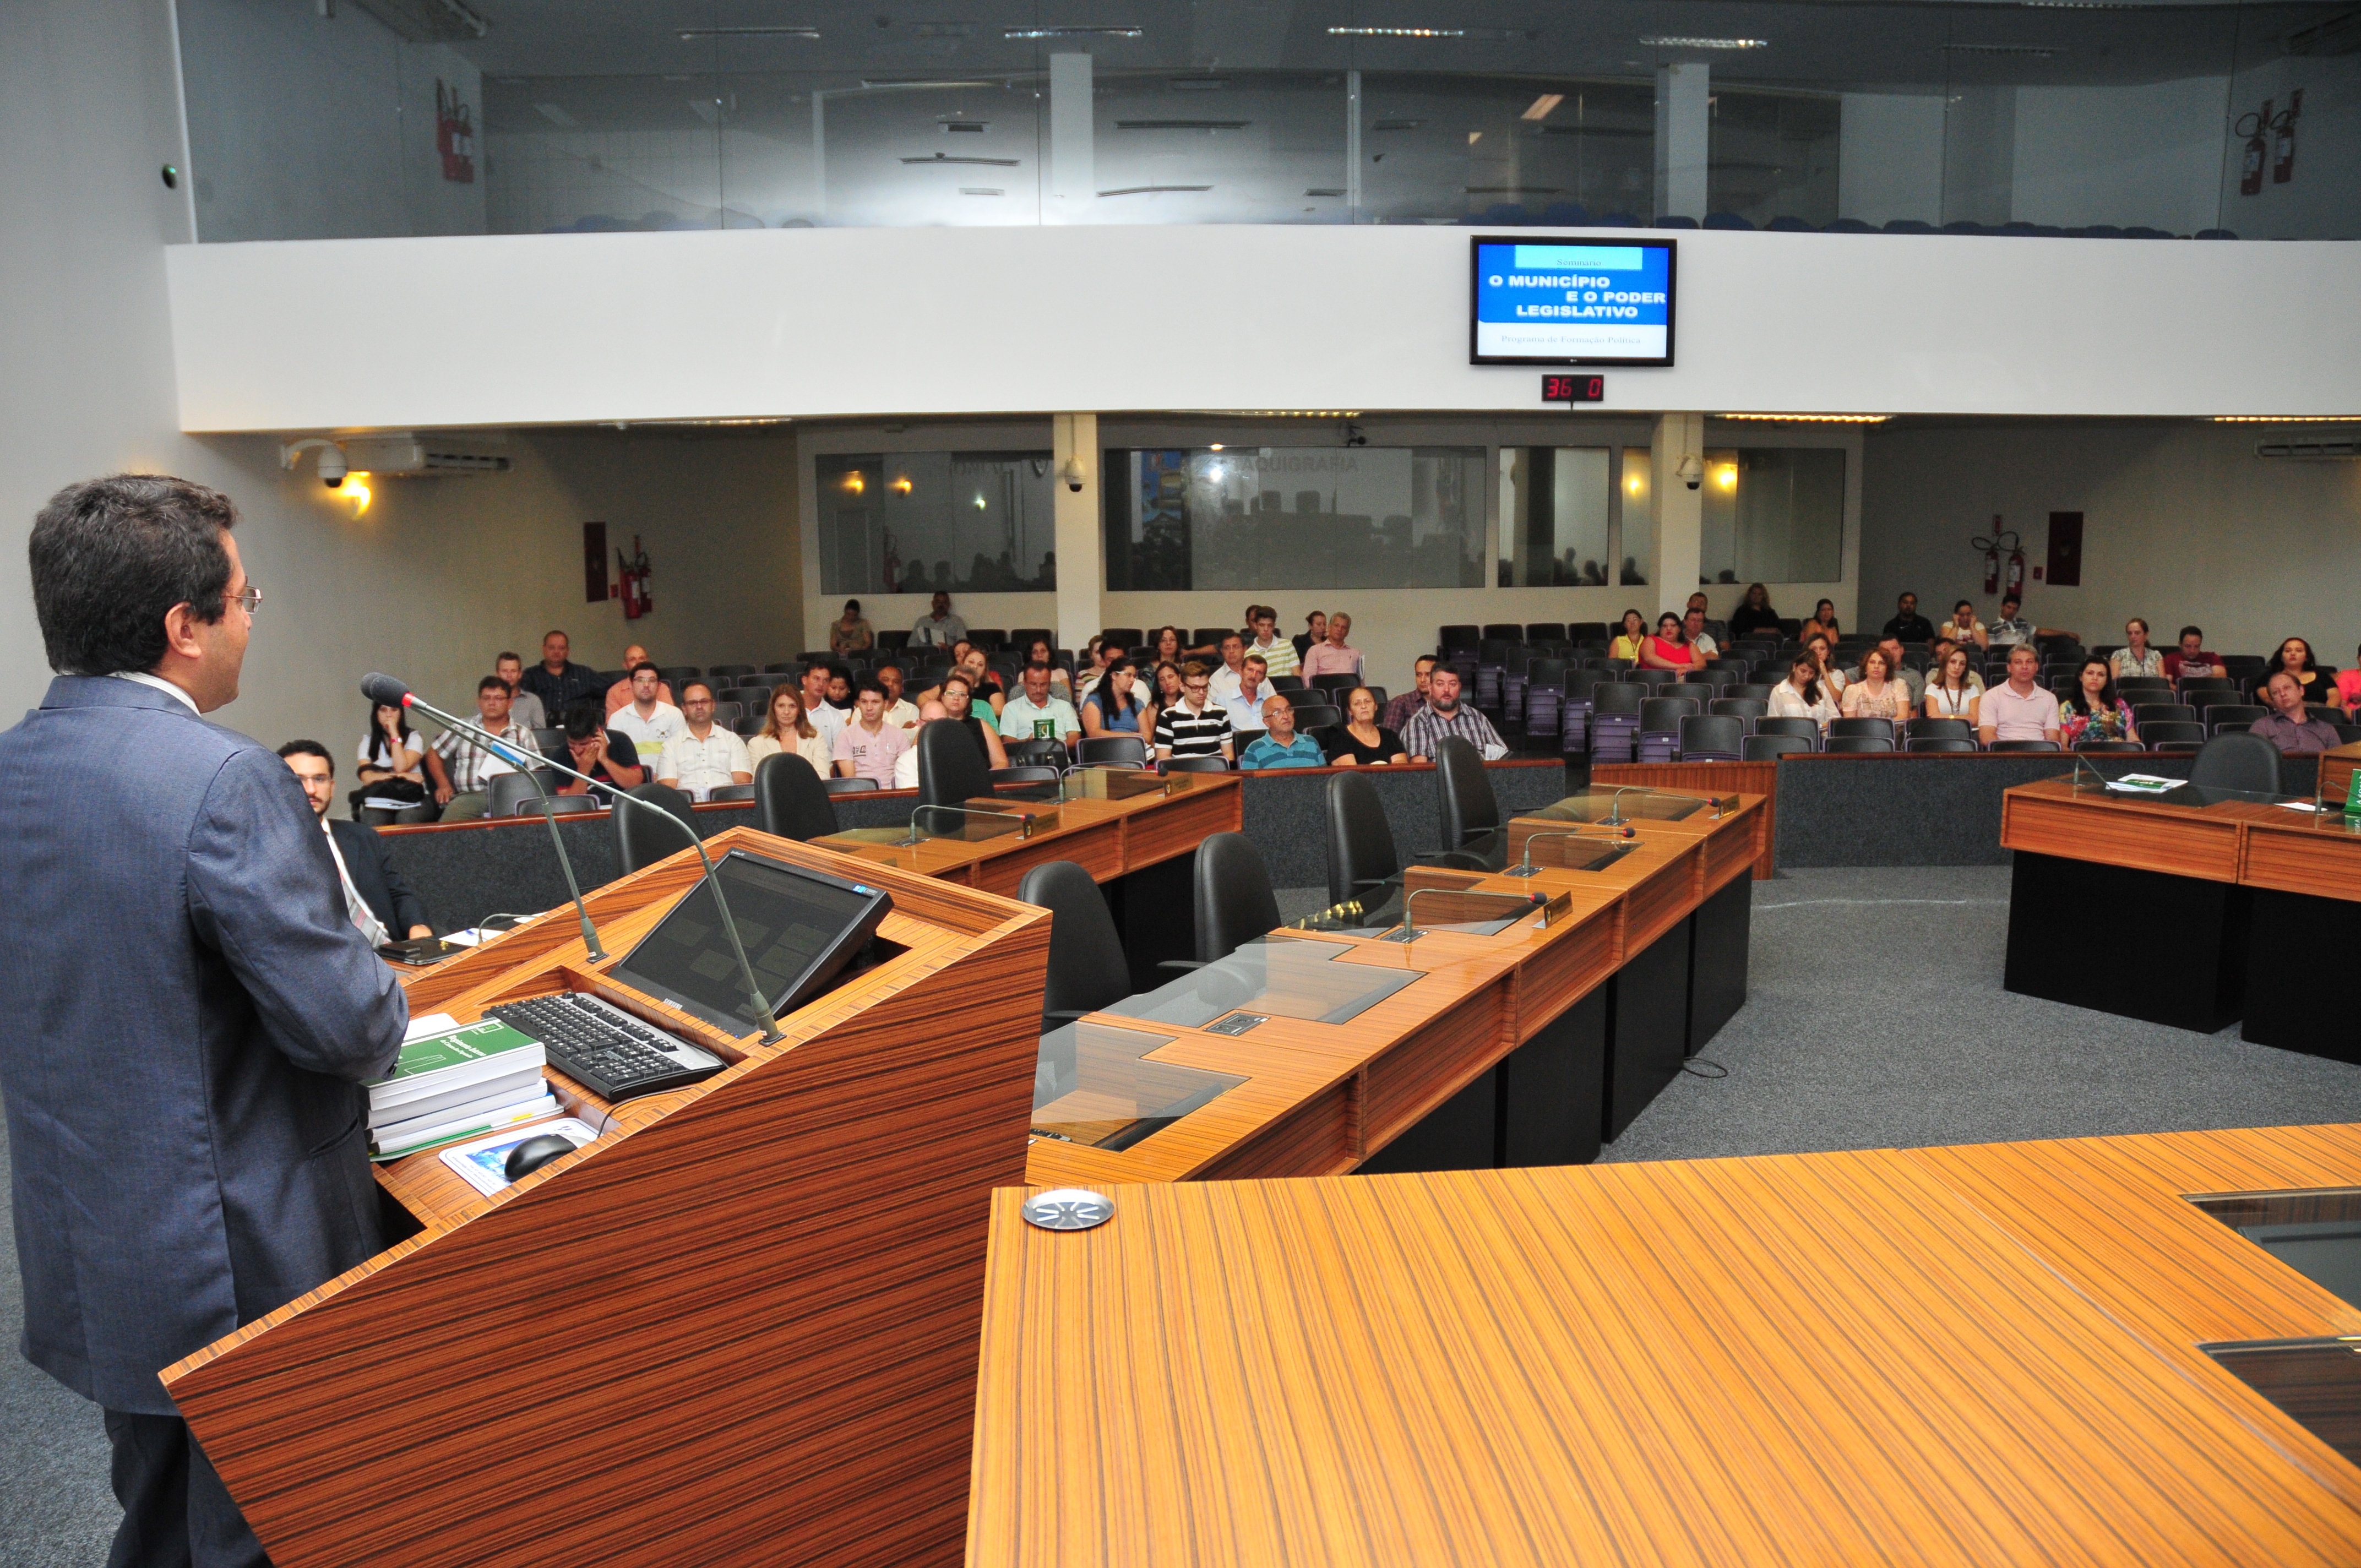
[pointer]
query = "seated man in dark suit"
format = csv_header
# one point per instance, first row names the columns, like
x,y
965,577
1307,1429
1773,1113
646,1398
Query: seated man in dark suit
x,y
376,896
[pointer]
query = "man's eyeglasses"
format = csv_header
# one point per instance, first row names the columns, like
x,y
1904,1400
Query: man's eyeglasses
x,y
249,596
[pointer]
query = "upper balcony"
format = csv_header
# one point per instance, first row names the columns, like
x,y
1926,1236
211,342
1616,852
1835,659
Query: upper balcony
x,y
398,117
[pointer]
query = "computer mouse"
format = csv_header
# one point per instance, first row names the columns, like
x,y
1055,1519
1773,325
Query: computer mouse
x,y
533,1152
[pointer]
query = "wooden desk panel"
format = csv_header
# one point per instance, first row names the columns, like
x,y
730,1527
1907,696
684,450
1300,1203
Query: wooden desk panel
x,y
1757,780
2321,861
2052,818
1824,1358
2336,769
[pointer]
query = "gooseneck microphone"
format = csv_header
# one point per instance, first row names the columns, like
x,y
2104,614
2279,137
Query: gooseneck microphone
x,y
1525,866
385,689
1614,818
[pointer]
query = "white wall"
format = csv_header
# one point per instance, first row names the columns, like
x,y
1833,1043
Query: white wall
x,y
890,322
2181,523
2148,155
1890,157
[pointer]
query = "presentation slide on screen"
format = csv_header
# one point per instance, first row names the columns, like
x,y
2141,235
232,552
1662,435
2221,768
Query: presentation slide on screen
x,y
1598,302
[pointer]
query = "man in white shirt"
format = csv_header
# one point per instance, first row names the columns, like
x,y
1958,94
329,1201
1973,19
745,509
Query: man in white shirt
x,y
938,627
1700,638
898,711
906,766
1279,655
469,764
826,717
525,707
620,692
1227,678
704,756
1033,706
647,721
1245,703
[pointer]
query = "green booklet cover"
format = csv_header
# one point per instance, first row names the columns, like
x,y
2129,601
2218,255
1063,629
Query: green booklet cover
x,y
456,1053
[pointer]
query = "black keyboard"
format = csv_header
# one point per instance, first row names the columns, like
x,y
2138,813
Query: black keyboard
x,y
606,1049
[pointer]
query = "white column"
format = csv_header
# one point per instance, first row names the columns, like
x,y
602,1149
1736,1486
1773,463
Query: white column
x,y
1352,146
1679,511
1683,132
1073,173
1080,527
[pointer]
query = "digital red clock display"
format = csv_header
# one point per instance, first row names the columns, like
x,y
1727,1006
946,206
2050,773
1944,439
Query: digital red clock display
x,y
1573,389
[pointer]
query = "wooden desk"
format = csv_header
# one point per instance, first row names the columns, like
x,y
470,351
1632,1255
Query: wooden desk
x,y
1870,1357
2336,770
739,1327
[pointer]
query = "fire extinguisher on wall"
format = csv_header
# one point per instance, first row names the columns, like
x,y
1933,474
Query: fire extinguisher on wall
x,y
2002,540
2283,139
635,573
2255,128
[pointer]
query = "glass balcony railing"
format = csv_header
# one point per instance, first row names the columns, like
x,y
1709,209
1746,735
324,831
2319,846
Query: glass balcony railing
x,y
527,116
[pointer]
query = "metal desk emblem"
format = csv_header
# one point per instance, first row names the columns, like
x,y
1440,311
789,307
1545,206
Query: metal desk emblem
x,y
1068,1208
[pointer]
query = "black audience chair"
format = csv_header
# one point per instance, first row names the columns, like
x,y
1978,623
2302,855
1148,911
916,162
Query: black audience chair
x,y
1711,737
732,791
849,786
1924,744
506,795
1771,748
1121,636
642,838
1361,856
1739,707
1233,897
2024,745
676,673
950,769
1088,970
1470,811
791,801
1196,765
726,671
1038,754
1336,683
2165,733
1808,731
1854,729
2230,718
2146,713
1285,683
2125,746
1309,716
1861,745
1127,750
562,805
2237,760
1941,730
1023,774
1755,690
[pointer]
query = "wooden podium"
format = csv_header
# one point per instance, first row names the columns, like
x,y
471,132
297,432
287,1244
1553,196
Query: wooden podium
x,y
742,1327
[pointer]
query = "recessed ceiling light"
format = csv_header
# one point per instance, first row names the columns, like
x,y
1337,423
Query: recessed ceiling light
x,y
1670,40
1815,419
1070,32
2287,419
1396,32
689,35
1542,107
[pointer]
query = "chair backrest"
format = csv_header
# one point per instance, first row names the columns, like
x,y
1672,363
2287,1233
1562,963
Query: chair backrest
x,y
2109,746
562,805
675,674
1130,751
1656,678
1457,636
1880,728
508,792
791,799
1862,744
2237,760
1545,632
1470,811
1771,748
2024,745
1504,631
1121,636
1023,774
1738,707
1756,691
1286,683
2156,734
1088,969
1309,716
1360,843
1698,692
1944,743
1343,682
2232,716
1660,715
1712,732
1044,753
720,672
730,792
643,838
1233,897
1808,731
1941,729
2145,713
951,768
1196,765
1616,696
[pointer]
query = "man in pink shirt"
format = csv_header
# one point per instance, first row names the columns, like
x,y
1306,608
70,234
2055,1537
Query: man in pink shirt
x,y
1332,657
2019,709
868,747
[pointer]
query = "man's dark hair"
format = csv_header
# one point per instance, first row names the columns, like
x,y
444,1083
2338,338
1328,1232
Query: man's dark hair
x,y
111,557
869,683
504,654
650,666
2197,632
2008,600
308,749
491,683
688,687
585,718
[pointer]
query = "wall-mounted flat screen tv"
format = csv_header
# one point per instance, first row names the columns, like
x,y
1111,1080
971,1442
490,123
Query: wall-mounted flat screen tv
x,y
1556,303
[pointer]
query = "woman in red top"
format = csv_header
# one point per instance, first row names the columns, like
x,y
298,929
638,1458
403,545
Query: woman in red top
x,y
1670,648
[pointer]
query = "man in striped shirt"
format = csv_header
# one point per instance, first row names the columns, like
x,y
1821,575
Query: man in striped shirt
x,y
469,764
1196,726
1278,654
1444,714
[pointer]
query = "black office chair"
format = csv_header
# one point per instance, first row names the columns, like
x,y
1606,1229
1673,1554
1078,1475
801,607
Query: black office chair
x,y
1739,707
1861,745
1289,684
508,792
849,786
1038,754
1470,812
1311,715
1343,682
1771,748
732,791
2232,718
1196,765
1123,751
725,672
1711,737
1881,729
791,801
550,743
2236,759
562,805
1233,897
1088,969
950,769
2161,733
2024,745
1361,855
2124,746
1925,743
1808,731
2146,713
1028,773
642,838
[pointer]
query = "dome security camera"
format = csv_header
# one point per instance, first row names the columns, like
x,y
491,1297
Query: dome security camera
x,y
1074,474
1692,471
332,466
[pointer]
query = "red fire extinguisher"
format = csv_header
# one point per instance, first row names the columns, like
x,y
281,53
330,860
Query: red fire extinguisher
x,y
2283,139
2254,127
2014,585
2002,540
635,572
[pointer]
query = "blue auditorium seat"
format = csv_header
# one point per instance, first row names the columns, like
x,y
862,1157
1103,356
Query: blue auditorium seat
x,y
1727,220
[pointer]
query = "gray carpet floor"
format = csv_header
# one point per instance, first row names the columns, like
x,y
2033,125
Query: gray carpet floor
x,y
1875,1018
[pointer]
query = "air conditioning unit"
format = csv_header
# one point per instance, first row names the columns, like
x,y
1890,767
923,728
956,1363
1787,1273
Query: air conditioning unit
x,y
2342,449
398,456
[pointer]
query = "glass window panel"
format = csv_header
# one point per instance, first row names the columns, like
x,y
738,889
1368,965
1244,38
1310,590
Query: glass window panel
x,y
1772,514
1288,979
1775,155
1639,515
915,522
1271,518
1558,504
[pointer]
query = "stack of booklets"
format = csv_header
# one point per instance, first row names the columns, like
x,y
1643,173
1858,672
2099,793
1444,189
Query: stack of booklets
x,y
457,1083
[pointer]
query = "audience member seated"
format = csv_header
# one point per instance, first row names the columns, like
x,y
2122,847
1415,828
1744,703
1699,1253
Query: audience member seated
x,y
1314,633
1279,746
610,759
1335,656
1631,638
1912,683
787,727
938,627
1115,705
848,633
1822,624
394,760
2135,658
1167,643
1952,691
620,692
1804,693
1943,648
1167,685
1089,667
1719,630
2294,656
1233,651
1444,714
825,721
1832,679
1362,740
2289,726
2019,709
982,724
2190,662
2094,711
1963,628
839,689
647,720
559,682
1909,627
906,766
468,764
376,897
866,748
1279,654
1703,643
900,712
1035,713
1755,618
1877,694
1244,704
1039,651
704,756
1669,649
986,687
2348,686
1399,710
2012,627
1196,726
525,707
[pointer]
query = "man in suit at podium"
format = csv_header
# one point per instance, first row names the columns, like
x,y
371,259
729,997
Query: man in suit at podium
x,y
190,1009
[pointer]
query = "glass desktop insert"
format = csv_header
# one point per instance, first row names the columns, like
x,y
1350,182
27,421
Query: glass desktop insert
x,y
1120,783
1286,978
958,825
1598,805
1094,1086
1380,912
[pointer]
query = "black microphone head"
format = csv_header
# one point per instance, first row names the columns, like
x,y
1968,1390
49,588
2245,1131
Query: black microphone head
x,y
384,689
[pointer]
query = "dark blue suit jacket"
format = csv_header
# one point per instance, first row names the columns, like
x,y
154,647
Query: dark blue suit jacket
x,y
187,1015
385,890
